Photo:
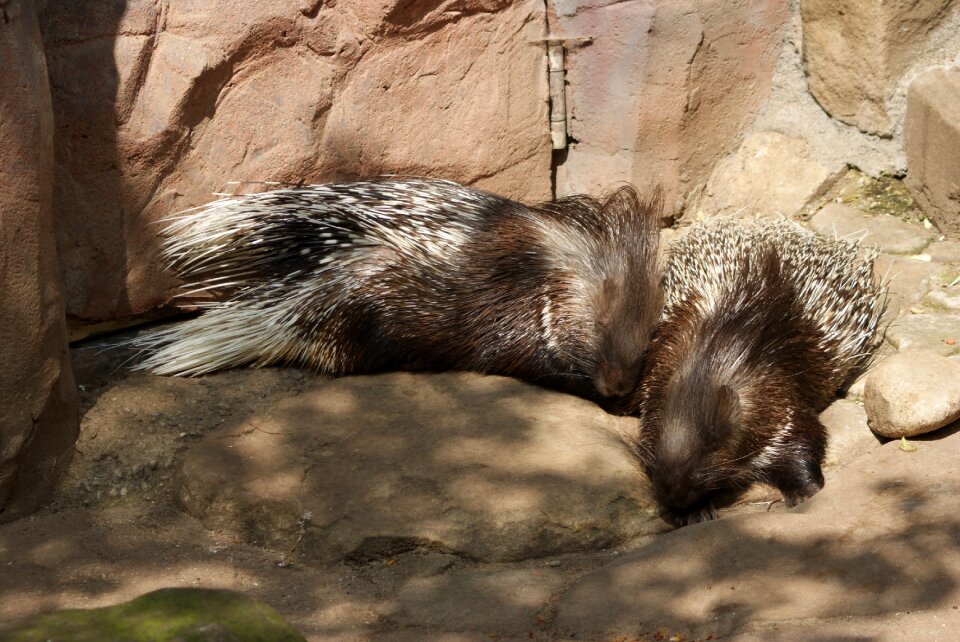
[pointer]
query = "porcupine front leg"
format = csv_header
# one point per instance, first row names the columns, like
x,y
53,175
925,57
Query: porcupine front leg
x,y
796,471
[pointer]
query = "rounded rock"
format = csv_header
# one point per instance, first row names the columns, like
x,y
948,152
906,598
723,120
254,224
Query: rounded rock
x,y
912,393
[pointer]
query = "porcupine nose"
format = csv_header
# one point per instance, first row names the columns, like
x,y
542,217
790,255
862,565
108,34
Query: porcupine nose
x,y
614,381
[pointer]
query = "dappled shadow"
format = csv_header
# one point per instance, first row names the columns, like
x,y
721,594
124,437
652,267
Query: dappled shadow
x,y
114,530
411,482
896,551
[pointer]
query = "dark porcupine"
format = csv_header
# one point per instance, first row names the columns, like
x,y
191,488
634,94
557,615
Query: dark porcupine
x,y
763,324
415,274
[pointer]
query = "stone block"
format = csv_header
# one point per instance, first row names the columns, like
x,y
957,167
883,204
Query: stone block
x,y
770,175
932,135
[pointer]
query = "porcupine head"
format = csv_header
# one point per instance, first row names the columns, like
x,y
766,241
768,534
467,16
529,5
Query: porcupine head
x,y
629,298
730,412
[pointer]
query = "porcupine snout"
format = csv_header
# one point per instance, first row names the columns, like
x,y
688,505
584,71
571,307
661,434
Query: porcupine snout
x,y
615,379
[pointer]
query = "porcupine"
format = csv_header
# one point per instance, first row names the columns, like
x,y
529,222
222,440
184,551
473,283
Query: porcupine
x,y
763,324
418,274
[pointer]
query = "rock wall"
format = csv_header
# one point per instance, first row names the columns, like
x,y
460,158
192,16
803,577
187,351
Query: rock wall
x,y
159,105
933,145
839,99
38,409
664,89
856,53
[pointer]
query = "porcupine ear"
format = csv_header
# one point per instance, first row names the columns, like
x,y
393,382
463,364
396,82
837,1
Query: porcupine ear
x,y
796,471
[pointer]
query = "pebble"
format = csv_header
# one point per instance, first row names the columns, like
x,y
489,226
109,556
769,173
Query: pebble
x,y
912,393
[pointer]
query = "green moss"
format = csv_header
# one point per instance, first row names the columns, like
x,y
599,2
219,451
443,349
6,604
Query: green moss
x,y
889,195
180,615
886,194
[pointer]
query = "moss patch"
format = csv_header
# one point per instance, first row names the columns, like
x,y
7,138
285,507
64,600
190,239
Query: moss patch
x,y
181,615
884,195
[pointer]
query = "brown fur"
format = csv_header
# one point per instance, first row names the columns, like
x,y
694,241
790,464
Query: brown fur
x,y
730,396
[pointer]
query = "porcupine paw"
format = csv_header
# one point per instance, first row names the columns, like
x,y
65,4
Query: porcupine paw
x,y
795,496
694,515
800,484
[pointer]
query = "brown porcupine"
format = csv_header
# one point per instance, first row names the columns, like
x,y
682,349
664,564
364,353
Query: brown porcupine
x,y
763,324
418,274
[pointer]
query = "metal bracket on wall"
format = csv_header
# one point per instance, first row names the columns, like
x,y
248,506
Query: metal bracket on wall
x,y
556,75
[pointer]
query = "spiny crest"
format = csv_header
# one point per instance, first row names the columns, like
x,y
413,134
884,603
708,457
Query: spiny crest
x,y
833,279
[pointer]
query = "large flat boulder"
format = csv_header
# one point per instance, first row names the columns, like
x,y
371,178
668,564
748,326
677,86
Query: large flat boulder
x,y
363,468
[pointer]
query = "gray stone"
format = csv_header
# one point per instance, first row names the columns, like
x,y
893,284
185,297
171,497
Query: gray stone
x,y
850,436
878,541
884,231
368,467
944,299
907,280
770,174
912,393
937,332
496,600
932,140
946,251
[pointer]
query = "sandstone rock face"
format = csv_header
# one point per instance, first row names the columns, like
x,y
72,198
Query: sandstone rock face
x,y
159,105
664,89
932,134
365,468
38,421
769,175
912,393
855,52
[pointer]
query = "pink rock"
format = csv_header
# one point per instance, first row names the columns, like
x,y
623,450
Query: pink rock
x,y
38,406
664,89
159,106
